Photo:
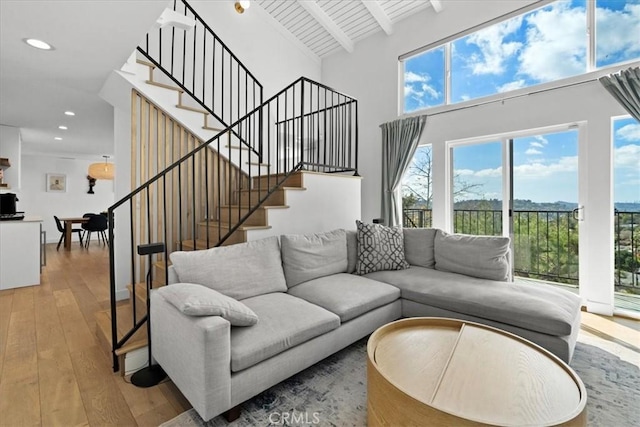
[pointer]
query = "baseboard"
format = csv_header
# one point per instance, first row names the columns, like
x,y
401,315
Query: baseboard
x,y
599,308
122,294
135,360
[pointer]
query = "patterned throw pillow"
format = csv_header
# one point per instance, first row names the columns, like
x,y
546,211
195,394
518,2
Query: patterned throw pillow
x,y
379,248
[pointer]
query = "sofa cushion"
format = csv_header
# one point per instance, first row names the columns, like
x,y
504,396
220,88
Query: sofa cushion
x,y
285,322
309,256
379,248
538,308
486,257
346,295
352,250
260,269
198,300
419,246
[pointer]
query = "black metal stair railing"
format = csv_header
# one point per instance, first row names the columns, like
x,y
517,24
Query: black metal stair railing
x,y
201,64
306,126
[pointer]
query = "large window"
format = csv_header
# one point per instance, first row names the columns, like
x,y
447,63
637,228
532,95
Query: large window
x,y
542,45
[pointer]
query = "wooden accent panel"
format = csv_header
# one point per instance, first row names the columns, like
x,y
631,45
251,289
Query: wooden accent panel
x,y
188,193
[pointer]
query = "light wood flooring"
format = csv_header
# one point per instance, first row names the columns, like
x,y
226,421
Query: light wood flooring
x,y
55,373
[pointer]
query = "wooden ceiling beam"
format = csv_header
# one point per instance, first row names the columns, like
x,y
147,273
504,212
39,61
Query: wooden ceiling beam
x,y
379,15
328,24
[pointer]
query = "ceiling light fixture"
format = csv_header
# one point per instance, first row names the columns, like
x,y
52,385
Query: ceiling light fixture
x,y
62,127
241,6
69,113
57,138
102,170
38,44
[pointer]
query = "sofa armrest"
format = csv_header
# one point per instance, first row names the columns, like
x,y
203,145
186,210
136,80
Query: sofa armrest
x,y
196,354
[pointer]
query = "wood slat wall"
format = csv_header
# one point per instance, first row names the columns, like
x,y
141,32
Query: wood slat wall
x,y
157,141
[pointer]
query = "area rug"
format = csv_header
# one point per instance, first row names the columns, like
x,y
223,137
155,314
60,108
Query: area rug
x,y
334,392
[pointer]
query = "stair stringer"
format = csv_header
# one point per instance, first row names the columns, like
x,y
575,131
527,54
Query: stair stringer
x,y
138,74
330,201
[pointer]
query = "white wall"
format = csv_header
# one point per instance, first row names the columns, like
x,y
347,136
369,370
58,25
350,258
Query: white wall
x,y
271,57
11,147
35,200
371,72
374,64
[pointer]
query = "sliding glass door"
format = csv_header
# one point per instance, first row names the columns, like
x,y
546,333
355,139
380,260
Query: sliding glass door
x,y
524,186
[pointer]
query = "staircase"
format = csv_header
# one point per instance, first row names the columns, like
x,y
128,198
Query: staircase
x,y
217,182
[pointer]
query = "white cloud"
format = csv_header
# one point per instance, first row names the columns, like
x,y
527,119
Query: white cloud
x,y
411,77
536,144
493,50
465,97
539,170
627,156
430,91
532,152
463,172
618,32
555,43
512,86
541,139
629,132
489,173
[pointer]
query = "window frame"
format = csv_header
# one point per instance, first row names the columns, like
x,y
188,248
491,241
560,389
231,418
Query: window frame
x,y
592,71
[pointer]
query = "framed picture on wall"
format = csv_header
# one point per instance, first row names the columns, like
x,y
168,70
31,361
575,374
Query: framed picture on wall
x,y
56,183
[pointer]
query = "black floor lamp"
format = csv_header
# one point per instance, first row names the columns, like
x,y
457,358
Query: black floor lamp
x,y
151,374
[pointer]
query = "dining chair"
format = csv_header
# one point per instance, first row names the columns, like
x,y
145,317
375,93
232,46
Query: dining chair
x,y
97,223
61,230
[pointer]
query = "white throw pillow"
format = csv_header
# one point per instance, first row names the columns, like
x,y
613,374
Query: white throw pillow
x,y
238,271
197,300
309,256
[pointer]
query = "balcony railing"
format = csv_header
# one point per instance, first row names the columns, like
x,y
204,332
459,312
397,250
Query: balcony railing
x,y
546,242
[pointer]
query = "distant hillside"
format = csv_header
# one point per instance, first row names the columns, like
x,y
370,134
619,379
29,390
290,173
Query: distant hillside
x,y
528,205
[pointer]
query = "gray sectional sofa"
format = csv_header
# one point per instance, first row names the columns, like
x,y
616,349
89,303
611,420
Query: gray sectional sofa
x,y
237,320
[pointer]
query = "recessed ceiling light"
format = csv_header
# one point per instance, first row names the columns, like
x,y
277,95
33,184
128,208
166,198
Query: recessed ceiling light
x,y
38,44
62,127
57,138
69,113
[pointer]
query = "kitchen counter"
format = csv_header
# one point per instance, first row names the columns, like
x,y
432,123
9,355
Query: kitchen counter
x,y
20,249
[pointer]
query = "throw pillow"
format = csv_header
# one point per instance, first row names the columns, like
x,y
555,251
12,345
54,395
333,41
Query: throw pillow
x,y
198,300
352,250
379,248
310,256
238,271
486,257
418,246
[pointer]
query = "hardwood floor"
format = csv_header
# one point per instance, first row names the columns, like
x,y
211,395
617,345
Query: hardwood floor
x,y
53,371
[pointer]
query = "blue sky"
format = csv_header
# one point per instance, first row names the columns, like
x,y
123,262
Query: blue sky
x,y
543,45
546,166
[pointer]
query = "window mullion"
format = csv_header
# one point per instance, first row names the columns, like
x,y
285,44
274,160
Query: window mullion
x,y
447,73
591,35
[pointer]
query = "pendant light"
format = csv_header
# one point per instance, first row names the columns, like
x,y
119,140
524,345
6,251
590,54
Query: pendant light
x,y
104,170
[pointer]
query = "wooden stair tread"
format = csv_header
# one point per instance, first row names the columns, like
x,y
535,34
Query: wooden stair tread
x,y
146,63
266,165
194,109
209,127
229,226
125,321
237,147
164,86
249,207
264,190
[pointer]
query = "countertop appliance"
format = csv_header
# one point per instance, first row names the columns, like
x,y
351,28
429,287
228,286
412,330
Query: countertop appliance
x,y
8,203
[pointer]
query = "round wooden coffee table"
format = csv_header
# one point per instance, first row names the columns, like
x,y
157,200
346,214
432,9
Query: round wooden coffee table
x,y
431,371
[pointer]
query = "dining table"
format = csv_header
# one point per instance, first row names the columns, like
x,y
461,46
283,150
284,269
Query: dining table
x,y
68,225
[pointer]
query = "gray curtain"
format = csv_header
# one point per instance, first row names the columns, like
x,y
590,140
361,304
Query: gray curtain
x,y
625,87
399,143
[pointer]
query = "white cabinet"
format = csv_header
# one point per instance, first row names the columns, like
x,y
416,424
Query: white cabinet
x,y
20,253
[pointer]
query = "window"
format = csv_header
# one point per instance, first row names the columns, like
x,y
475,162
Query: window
x,y
542,45
417,190
424,80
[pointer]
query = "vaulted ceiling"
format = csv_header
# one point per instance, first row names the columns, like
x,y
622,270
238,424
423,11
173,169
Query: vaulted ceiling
x,y
327,26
